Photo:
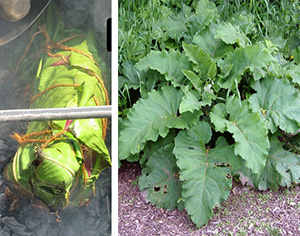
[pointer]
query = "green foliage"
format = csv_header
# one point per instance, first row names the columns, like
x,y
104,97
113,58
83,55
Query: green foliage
x,y
205,74
248,130
206,181
159,112
160,178
282,168
278,103
169,64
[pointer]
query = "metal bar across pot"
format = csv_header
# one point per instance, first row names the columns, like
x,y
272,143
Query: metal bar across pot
x,y
68,113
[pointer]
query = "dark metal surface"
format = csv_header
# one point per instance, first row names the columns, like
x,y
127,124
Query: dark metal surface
x,y
11,30
55,113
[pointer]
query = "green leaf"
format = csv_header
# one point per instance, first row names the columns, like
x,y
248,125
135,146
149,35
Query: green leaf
x,y
282,168
89,132
278,102
295,53
206,66
248,131
174,25
59,164
169,64
205,13
191,118
148,119
207,42
217,117
205,183
245,21
227,157
131,77
190,101
207,95
231,34
255,58
194,79
152,147
159,178
294,73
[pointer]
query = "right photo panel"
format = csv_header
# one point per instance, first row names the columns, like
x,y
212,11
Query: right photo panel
x,y
209,117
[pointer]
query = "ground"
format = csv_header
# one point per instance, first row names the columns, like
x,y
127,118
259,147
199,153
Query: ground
x,y
246,212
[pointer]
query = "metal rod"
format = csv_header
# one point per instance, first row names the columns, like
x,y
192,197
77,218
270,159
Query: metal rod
x,y
56,113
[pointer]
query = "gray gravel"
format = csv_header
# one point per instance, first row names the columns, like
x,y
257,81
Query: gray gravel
x,y
246,212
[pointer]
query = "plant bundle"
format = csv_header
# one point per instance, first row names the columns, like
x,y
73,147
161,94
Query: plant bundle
x,y
214,98
59,161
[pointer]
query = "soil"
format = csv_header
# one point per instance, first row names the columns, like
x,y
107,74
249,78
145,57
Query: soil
x,y
246,212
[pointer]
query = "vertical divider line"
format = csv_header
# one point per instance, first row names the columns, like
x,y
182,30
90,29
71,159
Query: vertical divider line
x,y
114,118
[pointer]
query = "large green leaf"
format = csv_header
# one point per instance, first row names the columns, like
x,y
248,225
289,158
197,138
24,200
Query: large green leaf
x,y
131,76
148,119
152,147
169,64
253,58
249,131
282,168
231,34
294,73
205,13
205,65
194,79
278,103
174,25
206,181
160,180
190,101
207,41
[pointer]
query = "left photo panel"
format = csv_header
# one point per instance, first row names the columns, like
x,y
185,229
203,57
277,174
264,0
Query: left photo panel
x,y
55,117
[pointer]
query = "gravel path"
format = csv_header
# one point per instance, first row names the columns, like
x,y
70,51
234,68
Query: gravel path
x,y
246,212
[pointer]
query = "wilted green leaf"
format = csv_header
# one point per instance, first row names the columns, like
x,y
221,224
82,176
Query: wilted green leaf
x,y
218,115
152,147
206,182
